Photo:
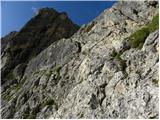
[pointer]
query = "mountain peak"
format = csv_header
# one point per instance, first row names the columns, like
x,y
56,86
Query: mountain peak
x,y
42,30
44,11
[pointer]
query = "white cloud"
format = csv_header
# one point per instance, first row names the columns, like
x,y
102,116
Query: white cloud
x,y
35,10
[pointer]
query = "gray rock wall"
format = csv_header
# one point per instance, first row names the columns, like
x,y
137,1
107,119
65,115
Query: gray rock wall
x,y
94,73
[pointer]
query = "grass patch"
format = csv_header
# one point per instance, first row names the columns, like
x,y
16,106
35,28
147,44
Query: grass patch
x,y
49,101
6,97
48,75
32,116
57,71
137,39
20,84
154,25
29,116
110,77
122,62
39,72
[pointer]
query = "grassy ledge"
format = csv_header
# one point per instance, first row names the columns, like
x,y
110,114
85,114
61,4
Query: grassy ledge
x,y
137,39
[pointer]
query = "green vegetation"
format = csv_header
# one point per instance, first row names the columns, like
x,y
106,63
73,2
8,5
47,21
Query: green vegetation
x,y
122,62
137,39
57,71
110,77
114,53
48,74
49,101
25,115
154,24
39,72
139,71
32,116
20,84
155,82
6,95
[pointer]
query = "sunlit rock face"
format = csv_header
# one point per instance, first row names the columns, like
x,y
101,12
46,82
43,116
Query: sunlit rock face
x,y
94,72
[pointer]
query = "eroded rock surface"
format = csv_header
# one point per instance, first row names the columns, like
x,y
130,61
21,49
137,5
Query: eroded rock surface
x,y
92,74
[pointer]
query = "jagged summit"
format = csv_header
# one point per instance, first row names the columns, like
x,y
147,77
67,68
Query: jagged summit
x,y
107,69
47,11
43,12
46,27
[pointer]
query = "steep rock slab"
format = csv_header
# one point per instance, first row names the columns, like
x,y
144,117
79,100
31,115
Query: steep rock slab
x,y
93,74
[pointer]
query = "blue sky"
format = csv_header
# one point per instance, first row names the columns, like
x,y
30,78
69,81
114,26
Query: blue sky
x,y
16,13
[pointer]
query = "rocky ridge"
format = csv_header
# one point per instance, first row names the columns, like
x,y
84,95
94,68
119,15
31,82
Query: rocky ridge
x,y
96,73
45,28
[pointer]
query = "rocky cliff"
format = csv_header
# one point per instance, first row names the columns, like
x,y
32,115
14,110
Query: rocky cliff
x,y
106,69
45,28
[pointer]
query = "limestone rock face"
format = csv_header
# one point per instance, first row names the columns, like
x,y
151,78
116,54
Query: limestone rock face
x,y
92,74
